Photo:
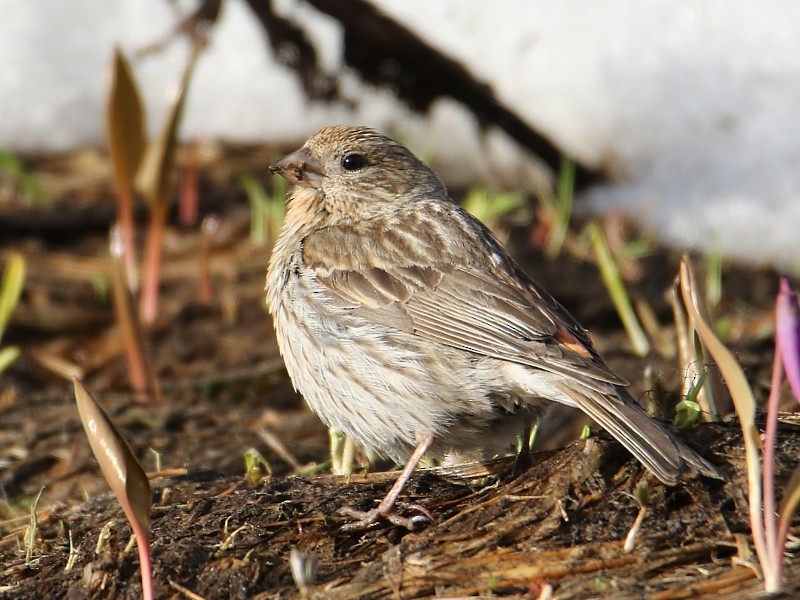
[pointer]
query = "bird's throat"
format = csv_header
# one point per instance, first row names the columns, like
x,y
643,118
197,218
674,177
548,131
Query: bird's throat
x,y
305,209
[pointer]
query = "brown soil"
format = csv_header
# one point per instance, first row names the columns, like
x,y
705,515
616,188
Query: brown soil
x,y
560,524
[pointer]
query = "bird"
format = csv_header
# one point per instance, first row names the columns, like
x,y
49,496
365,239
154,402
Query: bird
x,y
405,323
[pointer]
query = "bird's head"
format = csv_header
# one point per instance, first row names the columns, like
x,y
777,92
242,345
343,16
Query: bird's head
x,y
357,172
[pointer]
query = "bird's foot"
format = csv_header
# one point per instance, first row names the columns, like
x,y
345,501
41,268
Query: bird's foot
x,y
367,518
522,462
386,509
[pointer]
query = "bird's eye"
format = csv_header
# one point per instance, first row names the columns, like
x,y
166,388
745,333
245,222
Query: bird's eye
x,y
353,162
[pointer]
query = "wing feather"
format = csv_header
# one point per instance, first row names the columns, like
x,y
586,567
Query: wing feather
x,y
468,296
463,311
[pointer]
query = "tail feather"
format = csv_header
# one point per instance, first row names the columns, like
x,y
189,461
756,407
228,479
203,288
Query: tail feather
x,y
656,448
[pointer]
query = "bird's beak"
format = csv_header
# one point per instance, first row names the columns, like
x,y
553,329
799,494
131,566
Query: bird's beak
x,y
299,168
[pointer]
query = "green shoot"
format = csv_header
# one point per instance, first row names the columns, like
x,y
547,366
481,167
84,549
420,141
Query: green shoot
x,y
616,289
688,411
10,292
100,286
490,207
256,467
638,247
14,171
7,356
343,451
30,538
493,583
557,207
266,210
532,435
11,288
692,358
73,553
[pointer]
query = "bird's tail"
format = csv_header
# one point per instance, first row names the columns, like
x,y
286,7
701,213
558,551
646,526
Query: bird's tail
x,y
615,410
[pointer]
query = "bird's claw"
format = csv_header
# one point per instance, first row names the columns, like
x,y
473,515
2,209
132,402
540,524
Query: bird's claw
x,y
367,518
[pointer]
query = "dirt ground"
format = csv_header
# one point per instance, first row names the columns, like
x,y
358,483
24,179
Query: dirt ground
x,y
557,528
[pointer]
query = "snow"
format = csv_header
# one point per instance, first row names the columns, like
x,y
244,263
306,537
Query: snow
x,y
691,107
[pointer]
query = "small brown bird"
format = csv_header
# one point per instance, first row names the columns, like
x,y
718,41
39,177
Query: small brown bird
x,y
406,325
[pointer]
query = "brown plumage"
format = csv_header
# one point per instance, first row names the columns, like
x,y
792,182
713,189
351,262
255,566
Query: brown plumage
x,y
405,324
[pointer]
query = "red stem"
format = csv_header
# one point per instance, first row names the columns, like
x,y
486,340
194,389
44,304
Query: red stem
x,y
145,566
774,553
131,336
125,219
148,311
189,193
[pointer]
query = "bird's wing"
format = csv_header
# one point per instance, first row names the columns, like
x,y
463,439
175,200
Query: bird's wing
x,y
498,311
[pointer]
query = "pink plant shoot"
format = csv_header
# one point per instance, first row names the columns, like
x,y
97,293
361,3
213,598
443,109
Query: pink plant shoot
x,y
787,361
787,334
787,350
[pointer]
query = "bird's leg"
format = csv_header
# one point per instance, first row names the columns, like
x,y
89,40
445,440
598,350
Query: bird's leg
x,y
386,507
524,457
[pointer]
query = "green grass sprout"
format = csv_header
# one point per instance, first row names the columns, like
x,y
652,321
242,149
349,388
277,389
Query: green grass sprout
x,y
33,526
10,292
13,171
256,467
616,289
556,207
490,207
688,411
266,210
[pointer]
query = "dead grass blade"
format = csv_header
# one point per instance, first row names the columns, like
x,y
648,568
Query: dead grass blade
x,y
745,409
